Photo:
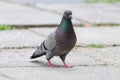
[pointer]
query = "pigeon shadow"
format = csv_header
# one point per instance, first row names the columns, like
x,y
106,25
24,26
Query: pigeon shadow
x,y
39,63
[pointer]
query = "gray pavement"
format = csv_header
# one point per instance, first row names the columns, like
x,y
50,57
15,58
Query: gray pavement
x,y
99,13
50,14
90,35
16,14
85,36
19,38
16,46
88,63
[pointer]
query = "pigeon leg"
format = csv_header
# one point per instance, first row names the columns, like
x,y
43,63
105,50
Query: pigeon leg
x,y
63,60
67,66
48,57
50,64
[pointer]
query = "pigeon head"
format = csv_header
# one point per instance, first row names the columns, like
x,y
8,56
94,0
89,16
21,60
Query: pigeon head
x,y
66,23
68,14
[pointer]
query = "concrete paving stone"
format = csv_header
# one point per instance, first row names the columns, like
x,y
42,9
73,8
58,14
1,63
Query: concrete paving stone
x,y
21,58
16,65
77,57
44,31
19,38
110,55
94,13
43,73
90,35
15,14
9,7
4,78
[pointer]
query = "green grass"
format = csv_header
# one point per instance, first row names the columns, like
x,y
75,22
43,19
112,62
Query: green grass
x,y
6,27
103,64
94,24
112,24
109,1
109,24
97,45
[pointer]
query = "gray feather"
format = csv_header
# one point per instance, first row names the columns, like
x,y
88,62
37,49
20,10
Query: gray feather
x,y
46,46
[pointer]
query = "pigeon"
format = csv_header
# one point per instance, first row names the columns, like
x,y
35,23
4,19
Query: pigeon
x,y
60,42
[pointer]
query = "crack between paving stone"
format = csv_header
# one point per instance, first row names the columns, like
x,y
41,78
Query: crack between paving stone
x,y
34,26
20,66
32,47
21,47
89,45
5,76
85,65
38,33
86,23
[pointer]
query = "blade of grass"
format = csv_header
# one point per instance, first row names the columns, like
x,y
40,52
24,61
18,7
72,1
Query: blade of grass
x,y
6,27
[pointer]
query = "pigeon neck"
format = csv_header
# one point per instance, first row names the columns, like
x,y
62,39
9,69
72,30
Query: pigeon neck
x,y
66,25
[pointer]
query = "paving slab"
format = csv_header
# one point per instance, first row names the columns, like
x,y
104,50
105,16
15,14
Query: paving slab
x,y
16,65
100,13
16,14
3,77
85,36
90,35
21,58
110,55
77,57
19,38
86,73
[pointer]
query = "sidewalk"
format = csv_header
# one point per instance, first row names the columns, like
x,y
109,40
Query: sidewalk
x,y
88,63
16,14
99,13
16,46
32,37
50,14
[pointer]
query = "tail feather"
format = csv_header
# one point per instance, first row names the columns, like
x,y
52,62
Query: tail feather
x,y
35,56
41,50
37,53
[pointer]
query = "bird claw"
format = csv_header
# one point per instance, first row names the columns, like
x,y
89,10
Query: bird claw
x,y
67,66
50,65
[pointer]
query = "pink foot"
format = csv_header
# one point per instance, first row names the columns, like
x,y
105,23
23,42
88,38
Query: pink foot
x,y
50,64
66,66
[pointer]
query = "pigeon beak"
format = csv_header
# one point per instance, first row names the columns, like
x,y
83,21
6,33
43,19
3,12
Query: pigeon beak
x,y
70,16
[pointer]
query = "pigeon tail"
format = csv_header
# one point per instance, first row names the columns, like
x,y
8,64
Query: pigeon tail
x,y
35,56
32,57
